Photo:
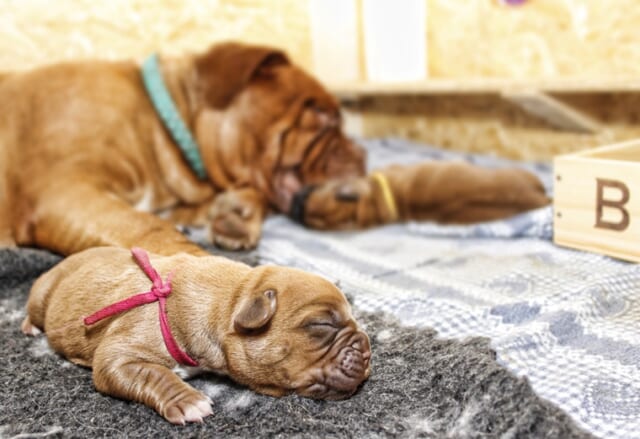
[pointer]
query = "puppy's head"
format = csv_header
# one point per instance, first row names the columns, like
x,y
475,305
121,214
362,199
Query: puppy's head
x,y
258,104
293,332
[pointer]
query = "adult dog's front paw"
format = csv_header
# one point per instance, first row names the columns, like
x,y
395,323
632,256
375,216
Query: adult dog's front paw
x,y
236,222
190,407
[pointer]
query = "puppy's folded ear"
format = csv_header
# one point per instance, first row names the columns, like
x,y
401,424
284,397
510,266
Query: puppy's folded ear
x,y
255,312
225,69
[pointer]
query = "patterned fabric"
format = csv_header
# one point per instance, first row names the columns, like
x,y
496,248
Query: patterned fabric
x,y
567,320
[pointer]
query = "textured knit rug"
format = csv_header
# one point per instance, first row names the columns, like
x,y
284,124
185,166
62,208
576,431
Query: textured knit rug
x,y
564,325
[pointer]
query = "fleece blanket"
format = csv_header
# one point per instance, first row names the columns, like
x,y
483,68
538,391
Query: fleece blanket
x,y
479,331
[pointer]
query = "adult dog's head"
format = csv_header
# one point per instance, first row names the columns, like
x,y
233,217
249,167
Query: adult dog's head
x,y
292,331
265,122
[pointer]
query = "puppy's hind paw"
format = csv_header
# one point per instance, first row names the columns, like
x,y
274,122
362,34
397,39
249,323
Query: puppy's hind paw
x,y
28,328
193,407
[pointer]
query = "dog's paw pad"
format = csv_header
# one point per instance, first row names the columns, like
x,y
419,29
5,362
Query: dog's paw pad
x,y
191,408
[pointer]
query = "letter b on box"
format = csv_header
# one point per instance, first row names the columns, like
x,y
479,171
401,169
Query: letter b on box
x,y
599,182
616,196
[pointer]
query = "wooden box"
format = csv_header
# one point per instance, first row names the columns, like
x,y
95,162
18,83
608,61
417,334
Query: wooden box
x,y
597,200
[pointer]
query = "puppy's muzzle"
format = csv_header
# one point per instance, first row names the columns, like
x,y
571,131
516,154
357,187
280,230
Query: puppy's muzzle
x,y
351,366
341,377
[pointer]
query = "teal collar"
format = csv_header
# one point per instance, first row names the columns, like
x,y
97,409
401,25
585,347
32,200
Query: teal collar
x,y
168,112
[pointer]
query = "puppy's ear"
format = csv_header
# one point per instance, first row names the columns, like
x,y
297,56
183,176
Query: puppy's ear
x,y
225,69
255,312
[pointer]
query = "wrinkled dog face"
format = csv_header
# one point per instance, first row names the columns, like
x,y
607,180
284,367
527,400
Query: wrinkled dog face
x,y
298,337
281,116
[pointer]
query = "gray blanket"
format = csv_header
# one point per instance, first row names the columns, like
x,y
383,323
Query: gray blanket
x,y
422,384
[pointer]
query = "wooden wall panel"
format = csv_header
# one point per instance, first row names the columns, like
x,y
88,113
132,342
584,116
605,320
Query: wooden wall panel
x,y
487,123
34,32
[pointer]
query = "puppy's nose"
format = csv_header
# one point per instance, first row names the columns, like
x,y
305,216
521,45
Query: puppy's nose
x,y
360,342
356,362
350,370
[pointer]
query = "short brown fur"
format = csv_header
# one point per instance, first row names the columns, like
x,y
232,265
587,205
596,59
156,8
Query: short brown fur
x,y
81,146
446,192
306,341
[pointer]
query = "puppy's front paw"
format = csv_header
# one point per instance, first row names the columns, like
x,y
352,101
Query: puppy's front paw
x,y
191,407
236,223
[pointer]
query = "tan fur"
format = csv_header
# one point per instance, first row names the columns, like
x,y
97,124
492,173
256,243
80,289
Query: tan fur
x,y
293,350
447,192
81,146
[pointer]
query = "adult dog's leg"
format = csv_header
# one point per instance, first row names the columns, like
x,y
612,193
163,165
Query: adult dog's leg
x,y
464,193
83,216
233,218
6,234
236,218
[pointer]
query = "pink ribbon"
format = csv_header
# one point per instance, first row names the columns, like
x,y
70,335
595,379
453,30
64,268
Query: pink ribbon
x,y
159,292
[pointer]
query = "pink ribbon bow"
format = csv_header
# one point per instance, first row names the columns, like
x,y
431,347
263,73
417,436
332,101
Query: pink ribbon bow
x,y
159,292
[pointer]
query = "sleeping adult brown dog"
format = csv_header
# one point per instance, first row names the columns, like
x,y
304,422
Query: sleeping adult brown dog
x,y
445,192
85,159
277,330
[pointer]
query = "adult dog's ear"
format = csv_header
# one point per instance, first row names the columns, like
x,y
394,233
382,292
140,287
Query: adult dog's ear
x,y
226,68
255,312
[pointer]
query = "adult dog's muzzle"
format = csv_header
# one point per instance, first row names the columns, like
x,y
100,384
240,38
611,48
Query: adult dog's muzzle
x,y
298,203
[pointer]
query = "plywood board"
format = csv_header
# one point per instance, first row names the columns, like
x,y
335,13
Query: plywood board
x,y
597,203
36,32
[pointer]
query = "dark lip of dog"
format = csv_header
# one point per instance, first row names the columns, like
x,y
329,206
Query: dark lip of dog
x,y
345,368
288,182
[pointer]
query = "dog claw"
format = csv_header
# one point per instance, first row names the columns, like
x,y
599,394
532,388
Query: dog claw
x,y
232,244
192,408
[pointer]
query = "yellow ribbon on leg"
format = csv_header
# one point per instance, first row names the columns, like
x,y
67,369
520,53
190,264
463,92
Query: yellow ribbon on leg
x,y
387,194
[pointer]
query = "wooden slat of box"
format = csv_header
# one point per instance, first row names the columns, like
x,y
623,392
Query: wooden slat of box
x,y
597,200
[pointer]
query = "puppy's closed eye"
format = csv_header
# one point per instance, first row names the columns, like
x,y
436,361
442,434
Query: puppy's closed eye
x,y
320,323
321,330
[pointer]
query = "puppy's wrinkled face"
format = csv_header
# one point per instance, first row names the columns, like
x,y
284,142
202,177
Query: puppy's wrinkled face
x,y
293,332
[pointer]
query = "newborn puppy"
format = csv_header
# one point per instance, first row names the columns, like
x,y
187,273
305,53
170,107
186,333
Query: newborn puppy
x,y
446,192
276,330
